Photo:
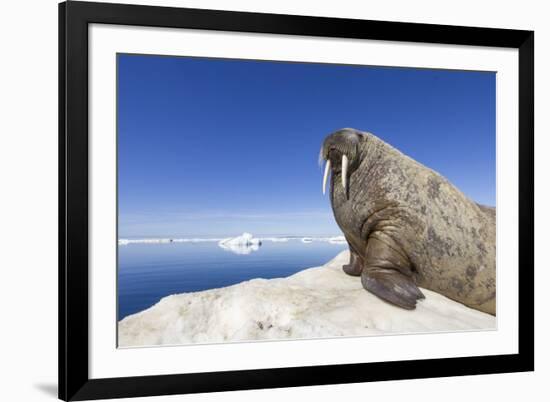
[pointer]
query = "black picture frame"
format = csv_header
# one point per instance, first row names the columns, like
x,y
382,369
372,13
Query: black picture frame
x,y
74,381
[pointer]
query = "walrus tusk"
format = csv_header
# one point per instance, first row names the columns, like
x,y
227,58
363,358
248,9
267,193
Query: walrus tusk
x,y
325,176
345,163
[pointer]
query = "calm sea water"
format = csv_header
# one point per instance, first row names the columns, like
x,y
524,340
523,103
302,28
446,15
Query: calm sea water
x,y
149,272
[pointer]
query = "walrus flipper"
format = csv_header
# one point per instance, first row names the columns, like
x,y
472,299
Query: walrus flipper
x,y
388,275
354,268
392,286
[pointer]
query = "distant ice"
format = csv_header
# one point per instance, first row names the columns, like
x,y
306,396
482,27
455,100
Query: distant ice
x,y
317,302
337,240
123,242
194,240
281,239
275,239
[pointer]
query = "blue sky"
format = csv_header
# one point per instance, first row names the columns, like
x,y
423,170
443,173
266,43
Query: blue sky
x,y
215,147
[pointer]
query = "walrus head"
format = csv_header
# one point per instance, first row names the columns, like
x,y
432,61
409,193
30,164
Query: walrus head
x,y
341,151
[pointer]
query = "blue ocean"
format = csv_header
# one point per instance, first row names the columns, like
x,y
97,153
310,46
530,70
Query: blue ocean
x,y
149,272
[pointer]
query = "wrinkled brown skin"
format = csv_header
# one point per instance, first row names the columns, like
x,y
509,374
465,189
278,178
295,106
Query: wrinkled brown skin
x,y
408,227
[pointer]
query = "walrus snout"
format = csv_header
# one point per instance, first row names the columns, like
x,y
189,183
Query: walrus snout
x,y
340,150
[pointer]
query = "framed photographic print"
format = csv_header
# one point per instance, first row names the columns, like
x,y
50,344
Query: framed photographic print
x,y
257,200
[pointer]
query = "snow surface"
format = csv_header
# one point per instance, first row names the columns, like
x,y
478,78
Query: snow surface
x,y
317,302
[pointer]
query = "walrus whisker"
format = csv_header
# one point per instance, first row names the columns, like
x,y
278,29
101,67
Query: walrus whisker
x,y
325,176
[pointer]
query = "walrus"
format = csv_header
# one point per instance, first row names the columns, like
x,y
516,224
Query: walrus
x,y
407,226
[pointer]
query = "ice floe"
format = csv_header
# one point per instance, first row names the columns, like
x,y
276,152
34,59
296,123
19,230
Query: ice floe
x,y
317,302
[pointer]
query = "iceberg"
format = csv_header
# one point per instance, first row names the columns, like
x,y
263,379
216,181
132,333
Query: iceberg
x,y
243,244
315,303
240,248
